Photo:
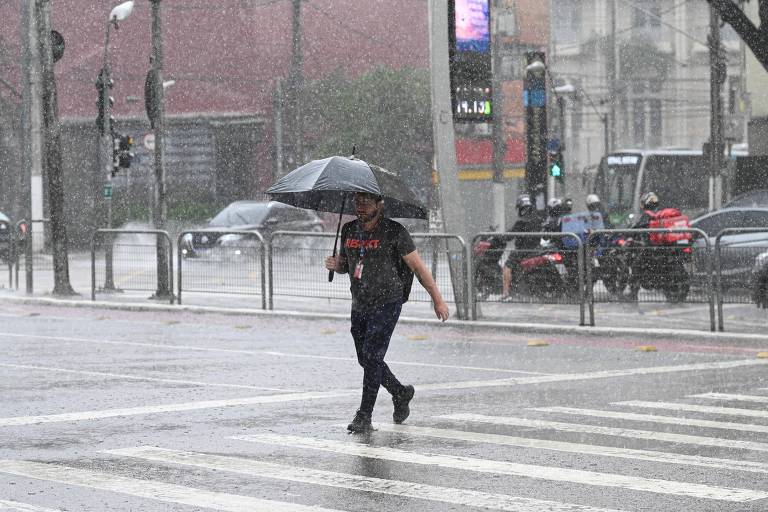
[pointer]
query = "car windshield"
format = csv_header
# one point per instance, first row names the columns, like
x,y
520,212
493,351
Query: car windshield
x,y
240,214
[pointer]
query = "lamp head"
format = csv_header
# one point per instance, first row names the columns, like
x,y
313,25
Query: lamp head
x,y
120,12
536,67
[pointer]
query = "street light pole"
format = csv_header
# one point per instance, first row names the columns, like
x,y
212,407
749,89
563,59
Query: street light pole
x,y
160,207
104,85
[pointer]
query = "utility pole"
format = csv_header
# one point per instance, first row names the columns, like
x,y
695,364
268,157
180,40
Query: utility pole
x,y
279,115
717,72
160,207
32,142
52,159
499,142
612,66
105,149
445,149
296,80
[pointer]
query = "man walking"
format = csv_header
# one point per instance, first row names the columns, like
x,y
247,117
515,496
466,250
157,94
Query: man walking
x,y
381,258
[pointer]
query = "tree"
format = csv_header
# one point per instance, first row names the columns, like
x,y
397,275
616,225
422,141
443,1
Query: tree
x,y
384,114
756,37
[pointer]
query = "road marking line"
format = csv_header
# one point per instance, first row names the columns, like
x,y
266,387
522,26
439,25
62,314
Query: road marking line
x,y
288,397
603,374
727,411
652,418
726,396
551,473
649,435
24,507
140,377
169,493
252,352
186,406
580,448
260,469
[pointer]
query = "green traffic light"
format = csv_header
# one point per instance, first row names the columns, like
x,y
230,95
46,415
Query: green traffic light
x,y
555,171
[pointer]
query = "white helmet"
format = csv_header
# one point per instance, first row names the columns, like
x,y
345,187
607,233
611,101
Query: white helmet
x,y
592,199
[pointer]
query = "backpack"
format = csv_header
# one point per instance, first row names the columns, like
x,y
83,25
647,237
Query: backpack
x,y
668,218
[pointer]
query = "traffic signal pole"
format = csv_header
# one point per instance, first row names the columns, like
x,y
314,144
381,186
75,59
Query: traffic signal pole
x,y
716,139
105,149
160,210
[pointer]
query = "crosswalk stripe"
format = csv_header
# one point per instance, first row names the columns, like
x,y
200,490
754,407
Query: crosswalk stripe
x,y
179,407
739,398
348,481
24,507
588,449
169,493
652,418
551,473
649,435
725,411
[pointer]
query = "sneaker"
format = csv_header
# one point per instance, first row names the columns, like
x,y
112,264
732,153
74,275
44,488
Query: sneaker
x,y
361,423
401,402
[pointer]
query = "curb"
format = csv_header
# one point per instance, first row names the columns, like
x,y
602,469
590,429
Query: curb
x,y
517,327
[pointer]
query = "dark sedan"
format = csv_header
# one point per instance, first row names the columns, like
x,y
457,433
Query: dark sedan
x,y
738,251
265,217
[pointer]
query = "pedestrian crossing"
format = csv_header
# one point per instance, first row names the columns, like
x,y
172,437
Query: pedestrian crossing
x,y
626,453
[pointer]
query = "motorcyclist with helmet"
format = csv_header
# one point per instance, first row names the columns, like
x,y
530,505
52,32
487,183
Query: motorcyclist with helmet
x,y
594,205
527,222
649,202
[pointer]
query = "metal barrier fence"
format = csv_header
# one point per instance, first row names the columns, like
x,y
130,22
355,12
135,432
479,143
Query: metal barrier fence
x,y
740,267
293,257
622,261
235,264
124,261
551,273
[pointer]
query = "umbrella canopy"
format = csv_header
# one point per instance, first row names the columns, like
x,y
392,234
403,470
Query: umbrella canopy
x,y
325,185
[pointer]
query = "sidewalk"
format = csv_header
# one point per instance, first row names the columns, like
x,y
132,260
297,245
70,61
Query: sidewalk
x,y
649,320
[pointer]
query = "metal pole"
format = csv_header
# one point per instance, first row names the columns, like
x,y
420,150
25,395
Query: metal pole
x,y
32,154
717,77
160,210
442,127
499,143
296,80
105,149
612,65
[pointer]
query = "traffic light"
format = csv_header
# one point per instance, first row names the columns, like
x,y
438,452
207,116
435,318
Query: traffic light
x,y
556,166
121,152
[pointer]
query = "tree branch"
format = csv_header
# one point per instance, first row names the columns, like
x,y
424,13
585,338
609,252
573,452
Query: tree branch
x,y
754,37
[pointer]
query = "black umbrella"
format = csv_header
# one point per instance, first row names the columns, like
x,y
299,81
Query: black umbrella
x,y
325,185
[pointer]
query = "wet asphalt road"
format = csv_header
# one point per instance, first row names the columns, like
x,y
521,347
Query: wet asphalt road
x,y
128,411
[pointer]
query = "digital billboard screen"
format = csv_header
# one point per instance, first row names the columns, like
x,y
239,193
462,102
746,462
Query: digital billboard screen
x,y
473,26
470,59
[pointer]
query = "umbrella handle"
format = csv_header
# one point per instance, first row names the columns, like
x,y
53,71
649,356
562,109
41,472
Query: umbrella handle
x,y
338,230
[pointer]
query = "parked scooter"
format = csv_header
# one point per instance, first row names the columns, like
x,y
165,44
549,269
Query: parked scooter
x,y
487,252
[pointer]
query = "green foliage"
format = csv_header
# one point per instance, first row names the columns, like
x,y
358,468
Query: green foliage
x,y
192,211
385,114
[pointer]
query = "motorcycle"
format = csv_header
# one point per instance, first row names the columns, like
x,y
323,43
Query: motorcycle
x,y
543,274
487,252
663,268
610,263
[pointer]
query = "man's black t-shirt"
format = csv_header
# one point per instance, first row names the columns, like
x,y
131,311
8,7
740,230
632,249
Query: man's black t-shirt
x,y
384,277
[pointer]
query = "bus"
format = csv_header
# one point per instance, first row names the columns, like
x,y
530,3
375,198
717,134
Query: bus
x,y
679,177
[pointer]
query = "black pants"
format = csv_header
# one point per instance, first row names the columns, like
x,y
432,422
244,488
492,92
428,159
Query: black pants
x,y
371,330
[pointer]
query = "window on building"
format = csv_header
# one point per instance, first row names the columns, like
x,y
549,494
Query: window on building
x,y
638,122
646,14
655,123
566,21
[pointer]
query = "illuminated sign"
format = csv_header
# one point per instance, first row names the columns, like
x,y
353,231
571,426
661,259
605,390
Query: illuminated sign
x,y
470,59
623,160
